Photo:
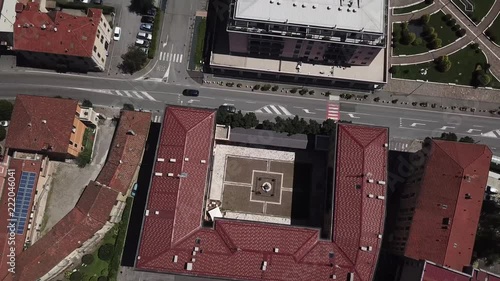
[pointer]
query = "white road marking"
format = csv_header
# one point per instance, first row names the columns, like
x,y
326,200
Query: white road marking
x,y
267,110
472,130
118,93
446,128
175,58
307,111
416,124
147,95
477,126
285,110
137,95
180,58
170,55
352,115
127,93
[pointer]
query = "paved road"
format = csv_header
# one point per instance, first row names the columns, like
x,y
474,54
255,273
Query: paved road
x,y
403,122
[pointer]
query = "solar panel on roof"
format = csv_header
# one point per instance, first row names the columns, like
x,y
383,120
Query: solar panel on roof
x,y
23,200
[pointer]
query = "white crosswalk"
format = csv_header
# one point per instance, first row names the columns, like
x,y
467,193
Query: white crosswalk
x,y
165,56
492,134
274,109
133,94
333,111
156,118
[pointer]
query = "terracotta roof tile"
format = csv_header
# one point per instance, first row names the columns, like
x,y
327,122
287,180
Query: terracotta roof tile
x,y
237,249
80,224
437,273
28,132
460,170
126,151
63,34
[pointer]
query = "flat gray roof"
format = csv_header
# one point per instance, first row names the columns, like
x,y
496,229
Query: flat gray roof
x,y
368,15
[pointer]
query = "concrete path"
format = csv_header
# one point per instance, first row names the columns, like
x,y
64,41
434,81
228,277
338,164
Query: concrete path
x,y
474,34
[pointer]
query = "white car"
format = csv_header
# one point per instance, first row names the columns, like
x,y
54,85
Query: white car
x,y
4,123
117,33
144,35
142,43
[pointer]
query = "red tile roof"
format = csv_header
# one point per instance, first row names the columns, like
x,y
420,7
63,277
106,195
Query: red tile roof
x,y
18,166
127,146
80,224
28,132
64,34
237,249
433,272
453,171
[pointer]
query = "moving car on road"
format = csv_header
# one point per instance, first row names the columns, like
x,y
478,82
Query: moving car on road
x,y
228,108
145,36
190,93
117,33
134,190
147,27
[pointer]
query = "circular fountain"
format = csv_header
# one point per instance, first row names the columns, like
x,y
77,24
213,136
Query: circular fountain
x,y
266,186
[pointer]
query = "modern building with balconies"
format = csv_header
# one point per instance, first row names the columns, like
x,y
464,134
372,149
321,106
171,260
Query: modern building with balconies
x,y
340,43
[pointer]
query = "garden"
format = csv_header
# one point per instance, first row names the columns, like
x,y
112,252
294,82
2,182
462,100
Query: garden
x,y
426,33
474,9
85,157
413,8
493,33
104,263
465,67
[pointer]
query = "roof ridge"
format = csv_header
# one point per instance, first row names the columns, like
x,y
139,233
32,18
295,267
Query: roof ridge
x,y
219,229
302,252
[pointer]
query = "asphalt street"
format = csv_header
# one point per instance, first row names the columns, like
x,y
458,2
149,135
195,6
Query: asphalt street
x,y
403,122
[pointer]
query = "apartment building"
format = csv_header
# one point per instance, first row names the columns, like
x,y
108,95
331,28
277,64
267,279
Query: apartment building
x,y
59,40
317,41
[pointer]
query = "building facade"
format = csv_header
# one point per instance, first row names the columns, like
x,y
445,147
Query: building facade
x,y
317,36
59,40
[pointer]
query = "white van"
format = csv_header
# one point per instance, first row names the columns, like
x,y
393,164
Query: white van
x,y
117,33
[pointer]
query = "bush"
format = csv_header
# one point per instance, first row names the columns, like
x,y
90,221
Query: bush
x,y
447,17
275,88
3,133
86,103
417,42
76,276
303,91
424,19
404,25
6,108
461,32
239,85
230,84
428,30
84,158
483,79
266,87
428,2
431,37
88,259
443,63
456,27
256,87
102,278
436,43
294,90
105,252
451,22
474,46
128,106
394,69
311,92
407,37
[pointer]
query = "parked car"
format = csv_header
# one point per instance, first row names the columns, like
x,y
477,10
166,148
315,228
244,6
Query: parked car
x,y
147,19
190,93
142,43
147,27
228,108
145,50
134,190
151,12
145,36
117,33
4,123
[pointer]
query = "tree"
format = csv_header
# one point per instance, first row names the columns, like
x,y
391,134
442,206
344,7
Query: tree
x,y
84,158
466,139
3,133
275,88
417,42
86,103
256,87
443,63
394,69
266,87
140,6
448,136
436,43
76,276
102,278
482,79
431,37
133,60
105,252
424,19
268,125
6,108
128,106
407,37
456,27
88,259
451,22
313,128
328,127
428,30
250,120
447,17
461,32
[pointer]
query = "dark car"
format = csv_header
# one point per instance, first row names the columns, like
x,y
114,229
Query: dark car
x,y
147,19
151,12
228,108
190,93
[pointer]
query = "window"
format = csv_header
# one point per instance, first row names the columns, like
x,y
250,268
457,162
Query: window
x,y
95,48
467,196
446,221
363,62
98,55
70,142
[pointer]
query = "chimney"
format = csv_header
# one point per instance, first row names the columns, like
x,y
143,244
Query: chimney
x,y
43,26
44,121
29,124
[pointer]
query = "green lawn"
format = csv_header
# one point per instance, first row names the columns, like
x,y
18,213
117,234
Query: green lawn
x,y
200,41
85,157
481,8
494,30
409,9
461,72
444,33
156,35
